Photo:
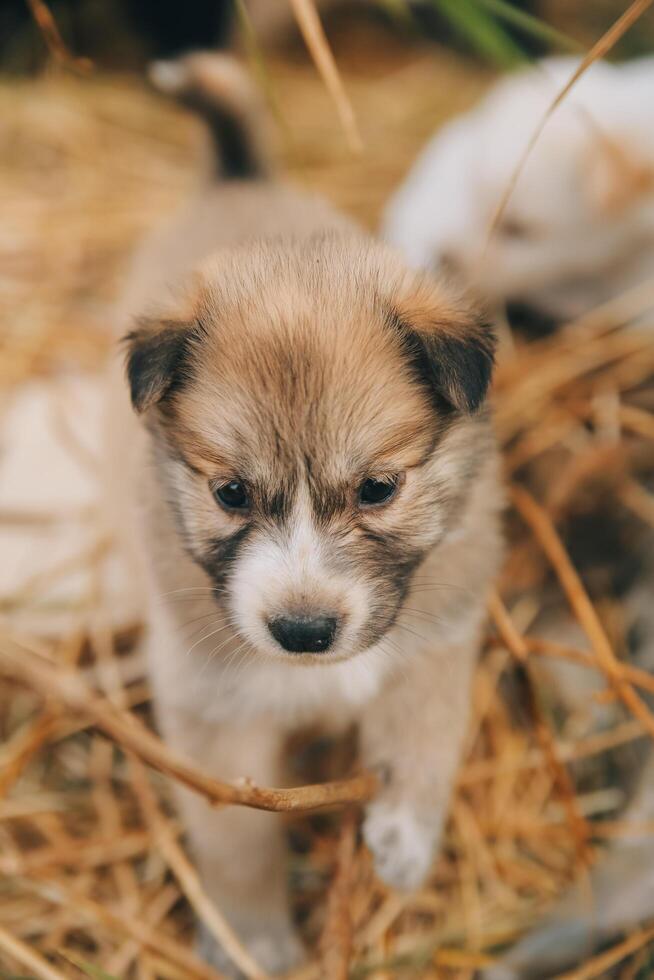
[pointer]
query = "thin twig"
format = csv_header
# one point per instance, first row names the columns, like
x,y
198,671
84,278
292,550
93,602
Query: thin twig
x,y
22,747
639,500
146,936
601,964
158,909
128,731
516,644
539,521
56,46
317,43
336,939
28,957
549,648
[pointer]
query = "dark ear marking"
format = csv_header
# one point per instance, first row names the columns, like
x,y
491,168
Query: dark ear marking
x,y
157,356
454,359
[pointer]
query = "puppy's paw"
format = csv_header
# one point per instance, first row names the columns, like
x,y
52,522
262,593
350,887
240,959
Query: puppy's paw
x,y
402,846
275,951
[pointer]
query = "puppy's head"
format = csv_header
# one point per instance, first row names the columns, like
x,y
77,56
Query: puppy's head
x,y
317,426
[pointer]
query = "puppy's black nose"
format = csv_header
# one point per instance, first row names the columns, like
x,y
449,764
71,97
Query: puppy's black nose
x,y
303,634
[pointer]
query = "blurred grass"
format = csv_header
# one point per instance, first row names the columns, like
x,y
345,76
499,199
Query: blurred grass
x,y
483,31
534,26
498,32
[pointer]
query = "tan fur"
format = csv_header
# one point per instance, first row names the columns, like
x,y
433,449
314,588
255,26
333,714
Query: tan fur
x,y
616,179
300,382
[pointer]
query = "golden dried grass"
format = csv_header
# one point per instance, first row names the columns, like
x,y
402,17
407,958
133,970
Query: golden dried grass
x,y
92,869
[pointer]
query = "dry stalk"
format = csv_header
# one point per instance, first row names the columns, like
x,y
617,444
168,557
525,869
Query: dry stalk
x,y
53,39
125,729
28,957
336,940
22,747
119,963
635,675
317,43
560,775
145,935
637,420
599,965
96,852
639,500
592,745
541,525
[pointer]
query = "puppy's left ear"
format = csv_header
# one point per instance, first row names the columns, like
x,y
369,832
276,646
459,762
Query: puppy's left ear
x,y
157,359
451,346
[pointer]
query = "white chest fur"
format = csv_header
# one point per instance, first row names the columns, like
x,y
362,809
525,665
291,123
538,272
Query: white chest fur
x,y
237,685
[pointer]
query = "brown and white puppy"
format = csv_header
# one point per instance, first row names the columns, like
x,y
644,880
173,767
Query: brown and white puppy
x,y
319,502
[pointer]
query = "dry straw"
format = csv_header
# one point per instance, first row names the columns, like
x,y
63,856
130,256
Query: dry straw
x,y
93,870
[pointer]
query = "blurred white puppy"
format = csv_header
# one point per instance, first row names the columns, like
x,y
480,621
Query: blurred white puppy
x,y
578,227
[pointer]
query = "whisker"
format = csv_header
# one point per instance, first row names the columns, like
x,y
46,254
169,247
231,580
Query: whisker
x,y
195,632
196,619
433,617
413,632
232,656
393,655
195,597
202,638
418,586
214,653
191,588
243,652
219,616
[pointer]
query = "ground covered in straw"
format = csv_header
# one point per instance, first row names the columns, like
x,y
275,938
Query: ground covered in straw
x,y
93,872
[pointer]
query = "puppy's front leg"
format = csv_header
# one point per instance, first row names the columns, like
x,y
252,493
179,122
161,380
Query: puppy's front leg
x,y
412,734
240,853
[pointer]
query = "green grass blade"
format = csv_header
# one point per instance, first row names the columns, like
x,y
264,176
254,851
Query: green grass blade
x,y
482,31
400,11
89,969
534,26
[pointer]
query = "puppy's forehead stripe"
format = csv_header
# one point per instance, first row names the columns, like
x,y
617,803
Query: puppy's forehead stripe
x,y
276,504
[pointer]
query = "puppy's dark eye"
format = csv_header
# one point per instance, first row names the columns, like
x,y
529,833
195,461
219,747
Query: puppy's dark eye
x,y
373,493
232,495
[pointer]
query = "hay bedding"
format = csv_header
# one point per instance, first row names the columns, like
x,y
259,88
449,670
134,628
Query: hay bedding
x,y
94,879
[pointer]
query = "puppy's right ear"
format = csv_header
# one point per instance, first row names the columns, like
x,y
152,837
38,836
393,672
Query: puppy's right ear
x,y
157,359
451,345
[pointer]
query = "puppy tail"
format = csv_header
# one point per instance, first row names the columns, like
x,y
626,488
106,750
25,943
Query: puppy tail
x,y
218,89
